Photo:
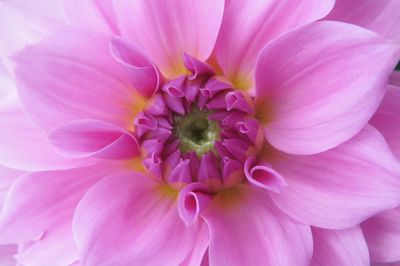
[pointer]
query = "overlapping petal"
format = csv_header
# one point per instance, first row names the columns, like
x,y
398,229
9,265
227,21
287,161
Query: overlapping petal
x,y
387,117
339,247
249,25
343,186
39,208
72,75
23,22
168,29
246,229
319,85
382,233
129,218
7,253
23,145
381,16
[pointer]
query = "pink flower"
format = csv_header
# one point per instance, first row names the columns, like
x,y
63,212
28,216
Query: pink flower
x,y
197,133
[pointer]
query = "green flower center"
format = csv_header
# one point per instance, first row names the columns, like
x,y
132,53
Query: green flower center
x,y
196,132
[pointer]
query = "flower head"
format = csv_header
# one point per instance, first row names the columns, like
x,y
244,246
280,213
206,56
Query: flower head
x,y
189,132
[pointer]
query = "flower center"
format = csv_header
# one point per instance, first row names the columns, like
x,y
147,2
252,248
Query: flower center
x,y
196,132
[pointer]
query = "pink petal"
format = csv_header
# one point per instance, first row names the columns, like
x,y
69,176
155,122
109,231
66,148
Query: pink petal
x,y
339,247
89,137
200,248
7,253
25,146
395,78
262,175
168,29
82,80
246,229
343,186
142,224
382,233
307,107
249,25
192,200
381,16
144,75
40,206
7,177
23,22
98,14
387,118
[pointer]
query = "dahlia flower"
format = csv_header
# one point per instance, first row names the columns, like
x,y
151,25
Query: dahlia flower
x,y
153,132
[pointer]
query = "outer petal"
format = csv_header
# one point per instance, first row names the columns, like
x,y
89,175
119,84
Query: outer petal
x,y
129,219
7,253
319,85
168,29
84,138
339,247
25,146
81,80
381,16
246,229
40,206
7,177
249,25
382,233
98,14
23,22
387,118
341,187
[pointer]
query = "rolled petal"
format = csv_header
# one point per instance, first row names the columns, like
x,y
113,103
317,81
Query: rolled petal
x,y
381,16
23,145
339,247
98,14
387,118
39,207
81,81
306,106
89,137
341,187
262,175
192,200
382,233
143,73
142,221
247,229
168,29
249,25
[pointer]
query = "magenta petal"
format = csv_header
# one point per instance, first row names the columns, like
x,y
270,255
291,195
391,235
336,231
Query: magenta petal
x,y
339,247
85,138
247,230
142,221
193,199
306,106
382,233
143,74
236,101
232,172
82,80
262,175
197,67
341,187
166,30
180,174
